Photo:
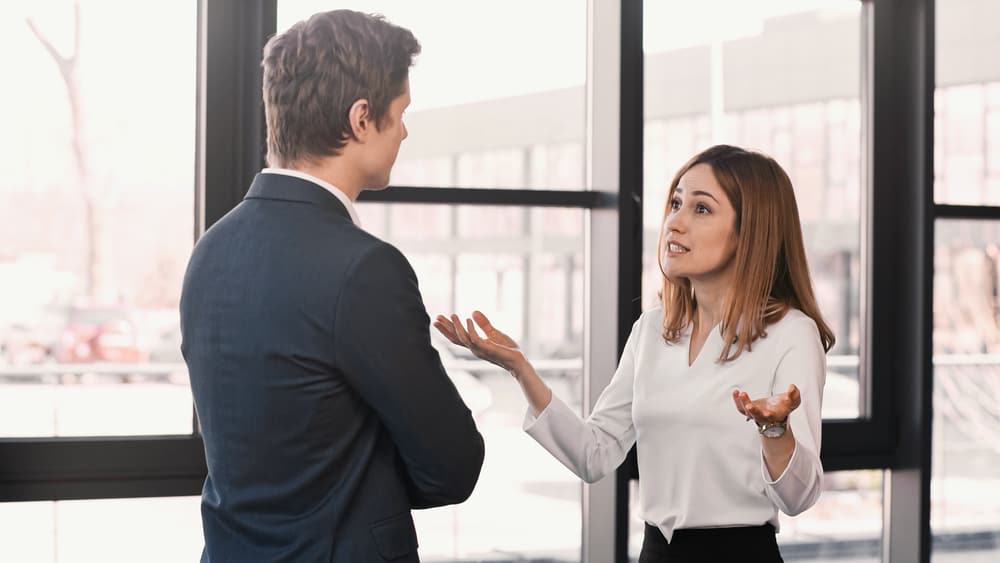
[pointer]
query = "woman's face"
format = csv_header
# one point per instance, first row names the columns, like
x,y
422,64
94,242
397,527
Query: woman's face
x,y
699,232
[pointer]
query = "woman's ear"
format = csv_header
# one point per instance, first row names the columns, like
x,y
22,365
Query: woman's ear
x,y
360,117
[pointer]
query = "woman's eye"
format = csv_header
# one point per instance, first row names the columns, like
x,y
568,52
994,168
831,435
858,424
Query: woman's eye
x,y
700,208
675,204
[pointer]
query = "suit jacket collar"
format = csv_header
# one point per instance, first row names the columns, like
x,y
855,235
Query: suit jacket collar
x,y
281,187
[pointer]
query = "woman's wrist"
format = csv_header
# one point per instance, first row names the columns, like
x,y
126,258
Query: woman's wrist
x,y
520,369
535,390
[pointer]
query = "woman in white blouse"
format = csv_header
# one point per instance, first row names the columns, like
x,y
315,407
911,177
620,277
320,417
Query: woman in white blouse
x,y
738,337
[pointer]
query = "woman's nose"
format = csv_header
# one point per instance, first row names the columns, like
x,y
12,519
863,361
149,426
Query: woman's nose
x,y
675,222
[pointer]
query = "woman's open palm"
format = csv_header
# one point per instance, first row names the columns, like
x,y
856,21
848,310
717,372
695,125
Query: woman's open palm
x,y
775,408
494,347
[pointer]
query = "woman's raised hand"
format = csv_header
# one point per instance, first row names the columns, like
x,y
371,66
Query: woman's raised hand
x,y
495,347
775,408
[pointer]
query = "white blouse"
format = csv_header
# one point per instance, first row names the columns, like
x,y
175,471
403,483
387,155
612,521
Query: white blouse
x,y
701,463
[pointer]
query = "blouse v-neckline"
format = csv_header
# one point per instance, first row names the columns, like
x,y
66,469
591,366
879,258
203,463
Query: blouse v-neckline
x,y
701,351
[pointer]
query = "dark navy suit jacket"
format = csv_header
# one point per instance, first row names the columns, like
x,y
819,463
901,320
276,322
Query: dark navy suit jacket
x,y
325,411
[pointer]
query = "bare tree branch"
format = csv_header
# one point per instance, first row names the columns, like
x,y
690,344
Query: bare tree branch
x,y
93,212
66,64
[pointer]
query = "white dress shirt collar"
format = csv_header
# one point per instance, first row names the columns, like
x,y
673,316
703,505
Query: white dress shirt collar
x,y
324,184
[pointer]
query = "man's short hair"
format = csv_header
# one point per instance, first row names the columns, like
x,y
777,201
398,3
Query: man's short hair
x,y
318,68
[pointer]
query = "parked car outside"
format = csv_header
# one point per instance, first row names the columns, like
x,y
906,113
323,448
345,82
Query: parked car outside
x,y
98,334
33,337
21,344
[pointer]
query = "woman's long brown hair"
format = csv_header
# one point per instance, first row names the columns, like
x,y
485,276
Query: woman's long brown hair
x,y
771,274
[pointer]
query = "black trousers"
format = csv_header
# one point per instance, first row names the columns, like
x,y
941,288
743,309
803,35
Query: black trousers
x,y
754,544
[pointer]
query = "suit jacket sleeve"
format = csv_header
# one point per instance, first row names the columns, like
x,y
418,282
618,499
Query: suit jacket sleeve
x,y
382,339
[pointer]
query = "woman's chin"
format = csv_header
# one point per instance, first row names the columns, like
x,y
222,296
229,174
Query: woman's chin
x,y
674,276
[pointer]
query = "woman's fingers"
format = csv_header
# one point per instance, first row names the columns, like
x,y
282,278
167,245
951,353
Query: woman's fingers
x,y
750,407
492,332
770,409
740,404
483,322
780,406
794,397
499,350
463,337
467,333
473,335
737,402
444,326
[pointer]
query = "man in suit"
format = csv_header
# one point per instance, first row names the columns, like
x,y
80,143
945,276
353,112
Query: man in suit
x,y
326,413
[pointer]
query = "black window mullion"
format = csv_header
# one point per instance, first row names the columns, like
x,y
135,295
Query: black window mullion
x,y
902,263
856,444
234,145
488,196
630,235
974,212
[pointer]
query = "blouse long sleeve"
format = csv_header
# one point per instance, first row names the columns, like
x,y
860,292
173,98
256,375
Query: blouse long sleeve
x,y
594,447
803,364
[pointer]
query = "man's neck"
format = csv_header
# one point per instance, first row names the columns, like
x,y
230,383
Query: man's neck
x,y
334,171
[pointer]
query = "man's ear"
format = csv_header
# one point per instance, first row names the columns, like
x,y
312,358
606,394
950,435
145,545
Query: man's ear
x,y
360,117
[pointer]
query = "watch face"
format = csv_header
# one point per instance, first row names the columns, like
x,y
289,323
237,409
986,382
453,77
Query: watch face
x,y
774,431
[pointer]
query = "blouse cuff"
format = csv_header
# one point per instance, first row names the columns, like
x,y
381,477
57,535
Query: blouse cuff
x,y
531,421
788,468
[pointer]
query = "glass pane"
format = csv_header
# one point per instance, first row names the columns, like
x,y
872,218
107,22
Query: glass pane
x,y
152,530
523,268
844,526
497,103
753,81
965,484
98,218
966,108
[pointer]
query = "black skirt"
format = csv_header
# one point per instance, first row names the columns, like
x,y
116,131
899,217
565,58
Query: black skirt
x,y
754,544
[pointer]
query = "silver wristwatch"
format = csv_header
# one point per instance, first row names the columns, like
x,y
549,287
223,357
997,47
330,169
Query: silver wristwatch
x,y
773,429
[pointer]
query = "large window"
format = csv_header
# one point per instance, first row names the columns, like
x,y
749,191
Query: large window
x,y
497,102
967,104
98,154
965,485
784,78
757,84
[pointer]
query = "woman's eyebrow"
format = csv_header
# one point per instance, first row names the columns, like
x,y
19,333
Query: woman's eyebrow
x,y
697,192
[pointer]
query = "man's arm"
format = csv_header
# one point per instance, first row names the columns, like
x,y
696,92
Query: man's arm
x,y
382,338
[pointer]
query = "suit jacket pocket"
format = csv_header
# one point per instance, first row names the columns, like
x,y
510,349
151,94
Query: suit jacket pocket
x,y
395,537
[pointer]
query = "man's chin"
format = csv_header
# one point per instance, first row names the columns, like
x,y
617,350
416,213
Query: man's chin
x,y
377,186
